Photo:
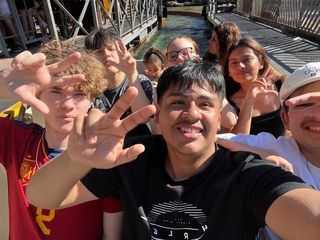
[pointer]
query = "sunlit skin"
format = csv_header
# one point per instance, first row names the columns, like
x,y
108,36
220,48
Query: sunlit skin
x,y
214,44
154,69
106,51
303,120
177,45
244,66
65,104
189,120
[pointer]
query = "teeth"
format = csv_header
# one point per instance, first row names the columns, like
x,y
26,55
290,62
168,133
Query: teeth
x,y
190,130
314,128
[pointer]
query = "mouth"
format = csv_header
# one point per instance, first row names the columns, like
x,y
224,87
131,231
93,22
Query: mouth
x,y
312,127
190,132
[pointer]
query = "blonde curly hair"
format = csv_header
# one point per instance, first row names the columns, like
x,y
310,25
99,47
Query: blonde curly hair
x,y
95,75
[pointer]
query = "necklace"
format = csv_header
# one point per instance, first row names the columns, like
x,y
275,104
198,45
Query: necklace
x,y
316,183
38,148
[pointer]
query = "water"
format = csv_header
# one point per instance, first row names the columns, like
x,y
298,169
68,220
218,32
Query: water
x,y
175,25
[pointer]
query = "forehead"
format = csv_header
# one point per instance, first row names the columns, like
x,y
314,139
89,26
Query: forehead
x,y
153,62
193,91
179,43
309,88
242,51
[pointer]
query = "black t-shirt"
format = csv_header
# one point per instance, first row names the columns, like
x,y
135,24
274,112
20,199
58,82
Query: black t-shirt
x,y
227,200
105,102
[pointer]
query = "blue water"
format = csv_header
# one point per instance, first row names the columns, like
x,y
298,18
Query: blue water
x,y
175,25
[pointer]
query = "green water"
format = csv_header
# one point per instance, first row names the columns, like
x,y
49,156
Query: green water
x,y
175,25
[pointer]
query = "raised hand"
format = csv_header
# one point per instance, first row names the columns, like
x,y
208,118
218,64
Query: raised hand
x,y
126,63
97,139
28,74
309,103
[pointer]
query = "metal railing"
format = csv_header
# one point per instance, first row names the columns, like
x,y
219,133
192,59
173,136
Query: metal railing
x,y
132,19
300,17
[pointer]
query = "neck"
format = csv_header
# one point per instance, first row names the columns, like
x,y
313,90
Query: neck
x,y
183,166
56,139
115,80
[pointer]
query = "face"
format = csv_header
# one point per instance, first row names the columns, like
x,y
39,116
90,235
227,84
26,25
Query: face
x,y
154,70
65,104
107,51
189,120
179,51
303,120
244,65
214,44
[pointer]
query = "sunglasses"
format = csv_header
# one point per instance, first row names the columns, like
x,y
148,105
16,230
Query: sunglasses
x,y
184,52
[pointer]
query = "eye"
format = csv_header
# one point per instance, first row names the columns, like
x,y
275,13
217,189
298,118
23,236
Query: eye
x,y
55,91
177,102
233,63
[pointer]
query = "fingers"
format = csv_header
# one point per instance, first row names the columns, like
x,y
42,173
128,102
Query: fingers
x,y
121,47
78,131
64,64
68,79
281,162
92,125
123,103
129,154
26,60
141,116
37,104
302,99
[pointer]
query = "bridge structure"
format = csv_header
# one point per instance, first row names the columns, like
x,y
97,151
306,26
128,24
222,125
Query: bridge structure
x,y
135,20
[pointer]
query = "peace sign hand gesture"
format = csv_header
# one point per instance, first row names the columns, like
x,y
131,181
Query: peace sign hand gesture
x,y
28,74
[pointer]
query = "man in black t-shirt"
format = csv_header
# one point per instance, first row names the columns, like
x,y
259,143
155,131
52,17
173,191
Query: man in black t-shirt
x,y
181,185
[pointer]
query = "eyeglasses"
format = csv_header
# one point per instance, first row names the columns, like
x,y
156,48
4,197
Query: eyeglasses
x,y
184,52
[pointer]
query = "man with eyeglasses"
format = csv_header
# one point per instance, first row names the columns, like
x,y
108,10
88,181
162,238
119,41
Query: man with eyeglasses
x,y
181,49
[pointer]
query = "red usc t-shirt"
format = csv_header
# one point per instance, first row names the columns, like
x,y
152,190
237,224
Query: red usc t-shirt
x,y
19,144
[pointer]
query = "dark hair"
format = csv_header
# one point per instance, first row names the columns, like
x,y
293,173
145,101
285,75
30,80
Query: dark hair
x,y
203,74
153,54
228,33
100,37
231,85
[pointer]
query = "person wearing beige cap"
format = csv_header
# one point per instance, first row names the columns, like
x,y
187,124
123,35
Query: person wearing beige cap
x,y
300,96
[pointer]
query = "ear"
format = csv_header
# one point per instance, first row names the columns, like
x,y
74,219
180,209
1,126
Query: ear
x,y
156,114
285,119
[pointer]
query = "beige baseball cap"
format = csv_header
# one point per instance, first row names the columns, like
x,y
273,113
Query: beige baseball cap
x,y
302,76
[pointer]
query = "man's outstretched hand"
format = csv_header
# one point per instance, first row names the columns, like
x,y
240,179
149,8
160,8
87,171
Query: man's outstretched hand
x,y
28,74
97,139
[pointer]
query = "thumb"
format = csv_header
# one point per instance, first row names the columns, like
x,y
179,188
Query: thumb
x,y
38,105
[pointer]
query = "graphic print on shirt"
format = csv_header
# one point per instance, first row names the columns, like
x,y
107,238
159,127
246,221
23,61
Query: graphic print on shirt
x,y
27,169
177,220
43,216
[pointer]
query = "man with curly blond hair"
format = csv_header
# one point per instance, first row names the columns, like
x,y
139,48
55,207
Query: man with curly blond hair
x,y
29,146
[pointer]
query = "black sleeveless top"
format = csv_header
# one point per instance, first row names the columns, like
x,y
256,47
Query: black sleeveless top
x,y
270,122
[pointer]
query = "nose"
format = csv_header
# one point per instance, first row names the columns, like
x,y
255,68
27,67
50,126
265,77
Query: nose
x,y
191,113
67,103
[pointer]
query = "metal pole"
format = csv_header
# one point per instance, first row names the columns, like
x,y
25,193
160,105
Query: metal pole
x,y
51,21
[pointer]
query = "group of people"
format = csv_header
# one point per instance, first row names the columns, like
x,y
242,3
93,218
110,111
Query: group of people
x,y
95,170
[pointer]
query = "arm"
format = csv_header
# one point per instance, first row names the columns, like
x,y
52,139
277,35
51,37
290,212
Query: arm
x,y
266,154
128,65
296,215
96,141
228,116
112,225
28,74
